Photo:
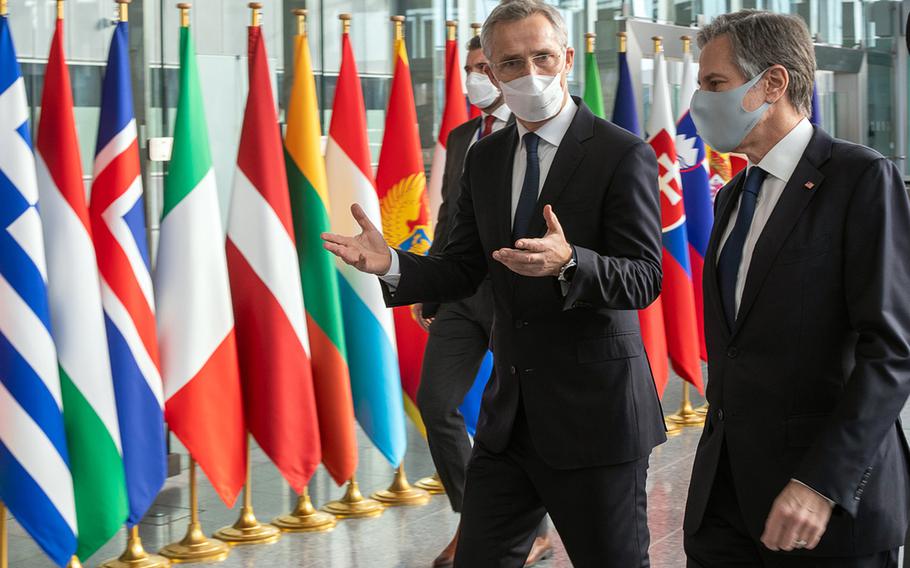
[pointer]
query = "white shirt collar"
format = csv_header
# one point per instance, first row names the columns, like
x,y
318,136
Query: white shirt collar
x,y
553,131
502,112
783,158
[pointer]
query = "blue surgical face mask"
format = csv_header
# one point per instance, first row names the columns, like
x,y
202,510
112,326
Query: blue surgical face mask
x,y
720,117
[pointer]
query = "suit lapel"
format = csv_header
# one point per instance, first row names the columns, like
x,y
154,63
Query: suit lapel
x,y
729,197
802,187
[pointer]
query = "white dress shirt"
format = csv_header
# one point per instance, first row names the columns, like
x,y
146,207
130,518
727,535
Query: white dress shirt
x,y
551,135
779,163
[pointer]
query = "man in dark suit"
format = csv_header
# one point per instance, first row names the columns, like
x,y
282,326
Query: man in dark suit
x,y
803,461
460,331
571,416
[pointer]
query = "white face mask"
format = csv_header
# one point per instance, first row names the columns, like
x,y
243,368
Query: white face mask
x,y
534,97
481,91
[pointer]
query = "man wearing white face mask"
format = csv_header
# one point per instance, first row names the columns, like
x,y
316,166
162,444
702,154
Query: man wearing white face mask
x,y
803,461
561,210
460,331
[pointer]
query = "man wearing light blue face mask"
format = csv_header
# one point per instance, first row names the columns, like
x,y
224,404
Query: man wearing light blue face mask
x,y
803,461
561,210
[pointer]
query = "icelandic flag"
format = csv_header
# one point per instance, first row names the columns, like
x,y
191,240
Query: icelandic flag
x,y
117,217
697,195
35,479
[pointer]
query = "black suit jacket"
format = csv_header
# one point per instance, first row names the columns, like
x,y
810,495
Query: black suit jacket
x,y
575,361
811,380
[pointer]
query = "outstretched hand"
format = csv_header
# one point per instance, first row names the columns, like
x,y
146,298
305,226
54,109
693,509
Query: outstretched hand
x,y
538,257
367,252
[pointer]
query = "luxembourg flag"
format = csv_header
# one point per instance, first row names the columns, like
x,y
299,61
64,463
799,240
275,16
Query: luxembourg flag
x,y
118,224
677,294
368,324
696,188
35,480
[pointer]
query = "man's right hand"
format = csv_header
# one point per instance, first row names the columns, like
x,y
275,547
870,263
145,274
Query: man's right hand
x,y
417,312
367,252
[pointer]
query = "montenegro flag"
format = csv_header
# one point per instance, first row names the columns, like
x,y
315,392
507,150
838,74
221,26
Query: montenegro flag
x,y
402,187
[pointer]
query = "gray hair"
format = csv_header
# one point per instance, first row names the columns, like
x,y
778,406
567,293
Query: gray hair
x,y
761,39
473,43
514,10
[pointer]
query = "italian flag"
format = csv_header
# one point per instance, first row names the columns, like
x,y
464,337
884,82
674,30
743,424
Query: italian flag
x,y
310,211
77,320
203,402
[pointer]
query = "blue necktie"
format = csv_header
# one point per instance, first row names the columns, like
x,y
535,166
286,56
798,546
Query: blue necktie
x,y
732,254
527,202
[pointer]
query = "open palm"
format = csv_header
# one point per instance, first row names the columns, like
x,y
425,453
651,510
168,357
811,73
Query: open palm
x,y
367,252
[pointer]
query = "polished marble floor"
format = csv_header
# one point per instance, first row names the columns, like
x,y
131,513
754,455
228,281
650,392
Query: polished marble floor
x,y
401,537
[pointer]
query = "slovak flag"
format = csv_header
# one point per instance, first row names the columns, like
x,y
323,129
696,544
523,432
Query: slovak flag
x,y
697,195
677,296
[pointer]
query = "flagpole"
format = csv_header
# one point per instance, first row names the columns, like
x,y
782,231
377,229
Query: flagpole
x,y
589,42
4,555
686,415
195,546
247,529
304,517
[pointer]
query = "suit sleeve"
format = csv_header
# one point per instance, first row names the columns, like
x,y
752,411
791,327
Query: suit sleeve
x,y
628,275
876,284
452,274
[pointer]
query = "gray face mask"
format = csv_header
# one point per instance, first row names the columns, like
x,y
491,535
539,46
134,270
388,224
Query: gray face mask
x,y
721,119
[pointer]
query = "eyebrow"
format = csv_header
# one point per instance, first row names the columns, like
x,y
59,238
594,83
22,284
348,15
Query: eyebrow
x,y
711,76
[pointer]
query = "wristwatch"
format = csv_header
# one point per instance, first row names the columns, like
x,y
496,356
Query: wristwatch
x,y
568,269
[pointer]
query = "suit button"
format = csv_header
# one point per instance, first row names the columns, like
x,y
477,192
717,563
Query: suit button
x,y
720,414
732,352
513,370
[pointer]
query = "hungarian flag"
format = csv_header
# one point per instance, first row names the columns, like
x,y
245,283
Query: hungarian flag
x,y
310,210
204,406
651,319
677,293
401,186
273,348
696,188
454,114
35,480
117,215
369,327
77,319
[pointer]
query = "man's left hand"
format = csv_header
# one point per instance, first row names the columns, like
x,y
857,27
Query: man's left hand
x,y
538,257
798,519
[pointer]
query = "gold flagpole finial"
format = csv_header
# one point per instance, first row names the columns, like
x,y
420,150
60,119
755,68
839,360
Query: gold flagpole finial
x,y
59,9
451,30
589,42
399,27
301,20
345,23
123,10
256,16
658,44
476,27
4,9
184,8
622,41
687,44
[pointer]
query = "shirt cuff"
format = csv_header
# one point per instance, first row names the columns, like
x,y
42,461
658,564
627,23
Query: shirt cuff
x,y
393,276
830,502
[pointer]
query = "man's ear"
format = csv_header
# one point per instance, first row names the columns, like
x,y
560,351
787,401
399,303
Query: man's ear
x,y
776,81
570,59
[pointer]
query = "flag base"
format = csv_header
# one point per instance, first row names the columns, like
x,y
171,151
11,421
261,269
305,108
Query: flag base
x,y
305,518
686,415
195,547
248,530
432,485
133,557
354,505
673,429
401,492
703,409
73,563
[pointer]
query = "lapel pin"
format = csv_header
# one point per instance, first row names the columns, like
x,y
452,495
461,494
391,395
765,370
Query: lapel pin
x,y
809,185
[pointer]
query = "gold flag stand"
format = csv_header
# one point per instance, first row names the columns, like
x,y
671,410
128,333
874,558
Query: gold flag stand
x,y
195,546
432,485
74,563
354,505
400,492
305,517
686,415
134,556
248,530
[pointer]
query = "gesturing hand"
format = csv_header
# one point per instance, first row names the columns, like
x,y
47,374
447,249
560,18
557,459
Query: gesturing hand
x,y
367,252
798,519
538,257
